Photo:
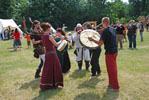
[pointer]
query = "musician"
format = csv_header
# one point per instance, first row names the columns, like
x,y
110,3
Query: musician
x,y
95,54
108,38
38,46
81,52
63,55
52,73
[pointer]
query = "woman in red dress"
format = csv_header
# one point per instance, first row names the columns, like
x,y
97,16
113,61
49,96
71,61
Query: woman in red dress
x,y
52,72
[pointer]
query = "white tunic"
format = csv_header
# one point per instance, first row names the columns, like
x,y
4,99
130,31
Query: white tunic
x,y
82,53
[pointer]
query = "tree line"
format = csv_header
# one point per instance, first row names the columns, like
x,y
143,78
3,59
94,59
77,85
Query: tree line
x,y
71,12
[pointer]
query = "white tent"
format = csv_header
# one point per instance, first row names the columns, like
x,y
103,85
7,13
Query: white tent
x,y
6,23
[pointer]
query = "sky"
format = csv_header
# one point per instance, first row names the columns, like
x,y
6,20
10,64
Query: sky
x,y
121,0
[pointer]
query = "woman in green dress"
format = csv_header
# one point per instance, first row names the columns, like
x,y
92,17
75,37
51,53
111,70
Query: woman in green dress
x,y
63,55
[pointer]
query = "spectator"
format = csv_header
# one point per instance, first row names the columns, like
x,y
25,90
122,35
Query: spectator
x,y
27,36
141,29
119,34
70,38
132,32
17,41
147,26
124,32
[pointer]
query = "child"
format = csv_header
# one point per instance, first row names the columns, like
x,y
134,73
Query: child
x,y
27,36
17,40
70,39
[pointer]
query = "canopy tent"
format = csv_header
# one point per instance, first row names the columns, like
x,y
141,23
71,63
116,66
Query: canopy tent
x,y
6,23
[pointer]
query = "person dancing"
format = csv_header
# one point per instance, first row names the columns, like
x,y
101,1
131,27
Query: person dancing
x,y
81,52
63,55
52,72
95,54
38,46
108,38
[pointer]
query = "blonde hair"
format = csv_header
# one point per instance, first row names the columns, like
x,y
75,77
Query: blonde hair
x,y
106,20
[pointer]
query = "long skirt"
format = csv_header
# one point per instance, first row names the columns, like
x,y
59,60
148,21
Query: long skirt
x,y
52,73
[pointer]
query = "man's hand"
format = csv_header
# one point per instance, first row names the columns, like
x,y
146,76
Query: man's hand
x,y
90,38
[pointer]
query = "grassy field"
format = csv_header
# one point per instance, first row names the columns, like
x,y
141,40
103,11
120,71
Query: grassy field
x,y
17,71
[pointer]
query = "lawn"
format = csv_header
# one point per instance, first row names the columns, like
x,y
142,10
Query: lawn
x,y
17,71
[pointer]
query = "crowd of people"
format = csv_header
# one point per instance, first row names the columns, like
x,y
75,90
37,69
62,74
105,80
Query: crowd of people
x,y
55,62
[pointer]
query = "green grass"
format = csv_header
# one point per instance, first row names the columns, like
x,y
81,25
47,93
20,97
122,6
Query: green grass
x,y
17,71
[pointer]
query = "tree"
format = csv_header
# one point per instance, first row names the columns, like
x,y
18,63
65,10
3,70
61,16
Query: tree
x,y
5,9
138,7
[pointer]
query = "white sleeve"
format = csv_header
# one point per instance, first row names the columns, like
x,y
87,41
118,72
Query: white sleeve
x,y
76,37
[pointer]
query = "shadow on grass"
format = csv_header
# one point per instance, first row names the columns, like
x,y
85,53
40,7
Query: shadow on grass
x,y
132,49
90,83
12,51
78,74
10,48
110,95
45,95
34,84
87,96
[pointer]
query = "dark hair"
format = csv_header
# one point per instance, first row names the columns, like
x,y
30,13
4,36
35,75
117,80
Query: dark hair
x,y
61,31
45,26
16,30
34,23
88,25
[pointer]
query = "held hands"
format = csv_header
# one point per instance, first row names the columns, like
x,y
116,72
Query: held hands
x,y
40,41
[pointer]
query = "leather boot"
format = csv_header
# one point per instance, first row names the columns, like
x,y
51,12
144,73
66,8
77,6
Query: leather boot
x,y
37,73
87,65
80,65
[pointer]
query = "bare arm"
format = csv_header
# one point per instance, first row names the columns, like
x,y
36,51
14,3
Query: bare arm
x,y
35,42
97,42
54,42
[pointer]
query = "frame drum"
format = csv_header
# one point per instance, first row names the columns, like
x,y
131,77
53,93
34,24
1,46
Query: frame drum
x,y
84,38
62,45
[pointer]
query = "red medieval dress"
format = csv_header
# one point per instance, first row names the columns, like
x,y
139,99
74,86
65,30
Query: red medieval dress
x,y
52,72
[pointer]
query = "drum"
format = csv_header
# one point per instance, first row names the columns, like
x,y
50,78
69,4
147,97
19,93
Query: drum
x,y
62,45
84,38
142,19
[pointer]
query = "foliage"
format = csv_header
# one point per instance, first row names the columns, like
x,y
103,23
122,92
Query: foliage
x,y
139,7
71,12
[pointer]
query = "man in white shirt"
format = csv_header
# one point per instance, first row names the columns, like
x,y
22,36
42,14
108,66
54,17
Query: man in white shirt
x,y
82,53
